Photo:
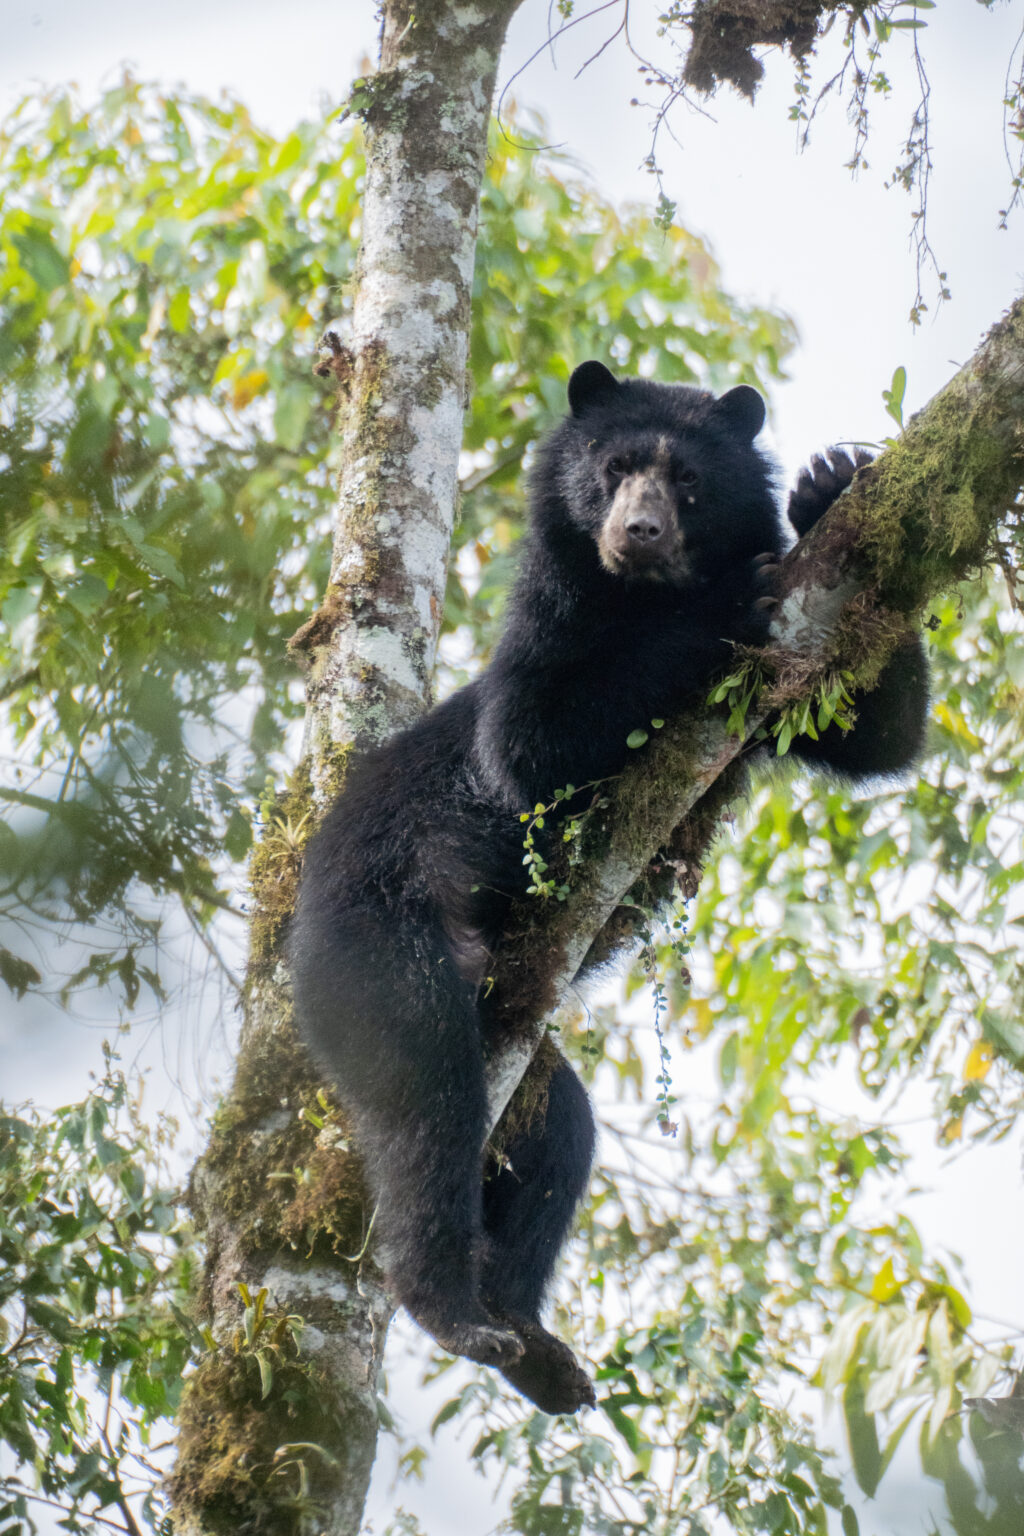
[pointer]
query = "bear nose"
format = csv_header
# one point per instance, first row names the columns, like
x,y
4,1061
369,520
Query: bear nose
x,y
644,527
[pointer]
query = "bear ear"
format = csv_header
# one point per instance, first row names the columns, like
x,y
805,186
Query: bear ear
x,y
742,411
591,384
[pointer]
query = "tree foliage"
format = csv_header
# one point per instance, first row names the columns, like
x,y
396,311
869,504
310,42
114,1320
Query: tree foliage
x,y
96,1269
165,466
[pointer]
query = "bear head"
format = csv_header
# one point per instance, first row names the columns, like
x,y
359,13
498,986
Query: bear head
x,y
663,481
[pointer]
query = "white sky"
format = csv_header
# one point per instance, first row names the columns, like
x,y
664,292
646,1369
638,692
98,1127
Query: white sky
x,y
794,231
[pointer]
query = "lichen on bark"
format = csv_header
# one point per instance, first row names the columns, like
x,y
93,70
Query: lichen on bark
x,y
279,1189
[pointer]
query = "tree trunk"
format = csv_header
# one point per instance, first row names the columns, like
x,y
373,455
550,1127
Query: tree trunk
x,y
279,1423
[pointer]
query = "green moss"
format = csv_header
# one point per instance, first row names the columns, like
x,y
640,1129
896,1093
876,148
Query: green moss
x,y
335,760
254,1462
640,795
279,1159
276,859
936,494
274,869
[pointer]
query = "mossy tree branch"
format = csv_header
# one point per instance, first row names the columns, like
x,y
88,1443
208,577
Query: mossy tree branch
x,y
922,517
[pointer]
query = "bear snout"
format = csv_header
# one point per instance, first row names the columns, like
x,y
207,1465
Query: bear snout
x,y
641,533
644,526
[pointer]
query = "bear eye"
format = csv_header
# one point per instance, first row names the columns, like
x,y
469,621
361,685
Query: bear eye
x,y
687,477
617,467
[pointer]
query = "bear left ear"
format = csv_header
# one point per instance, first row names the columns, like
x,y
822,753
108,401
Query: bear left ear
x,y
742,411
591,384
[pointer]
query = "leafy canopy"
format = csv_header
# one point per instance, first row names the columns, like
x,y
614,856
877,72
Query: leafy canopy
x,y
165,468
95,1268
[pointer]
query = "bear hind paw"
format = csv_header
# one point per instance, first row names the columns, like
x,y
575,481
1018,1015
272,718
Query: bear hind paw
x,y
547,1372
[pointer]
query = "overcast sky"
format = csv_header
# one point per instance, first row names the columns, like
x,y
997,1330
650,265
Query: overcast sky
x,y
790,230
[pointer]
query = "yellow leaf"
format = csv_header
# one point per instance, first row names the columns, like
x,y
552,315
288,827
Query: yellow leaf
x,y
885,1285
703,1019
955,723
248,387
979,1060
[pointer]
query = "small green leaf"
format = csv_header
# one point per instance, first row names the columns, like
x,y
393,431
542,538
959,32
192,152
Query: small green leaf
x,y
41,258
893,396
291,415
449,1411
729,1059
266,1373
865,1451
178,310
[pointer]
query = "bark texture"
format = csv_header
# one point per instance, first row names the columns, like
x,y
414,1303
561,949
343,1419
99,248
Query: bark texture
x,y
278,1427
371,645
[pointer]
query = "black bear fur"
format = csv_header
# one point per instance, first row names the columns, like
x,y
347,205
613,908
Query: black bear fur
x,y
653,540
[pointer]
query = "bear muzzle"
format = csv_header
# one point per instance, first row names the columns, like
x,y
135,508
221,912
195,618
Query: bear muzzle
x,y
641,535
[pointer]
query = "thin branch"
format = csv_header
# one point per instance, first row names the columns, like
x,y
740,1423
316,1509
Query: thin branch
x,y
1013,102
547,43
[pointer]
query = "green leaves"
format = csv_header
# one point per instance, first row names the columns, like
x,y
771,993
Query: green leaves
x,y
94,1269
38,255
893,396
862,1437
166,457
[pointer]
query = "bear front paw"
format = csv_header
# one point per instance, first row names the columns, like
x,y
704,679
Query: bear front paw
x,y
759,599
821,483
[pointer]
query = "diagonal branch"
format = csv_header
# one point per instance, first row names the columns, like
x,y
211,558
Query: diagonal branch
x,y
922,517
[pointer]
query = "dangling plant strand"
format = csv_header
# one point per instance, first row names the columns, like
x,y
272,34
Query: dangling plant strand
x,y
665,1098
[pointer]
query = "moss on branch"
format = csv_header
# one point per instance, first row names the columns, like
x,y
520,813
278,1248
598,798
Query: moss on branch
x,y
922,517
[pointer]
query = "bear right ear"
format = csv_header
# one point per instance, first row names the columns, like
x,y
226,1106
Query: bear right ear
x,y
591,384
742,411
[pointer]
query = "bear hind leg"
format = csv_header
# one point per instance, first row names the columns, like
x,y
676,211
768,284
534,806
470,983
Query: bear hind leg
x,y
530,1201
399,1033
